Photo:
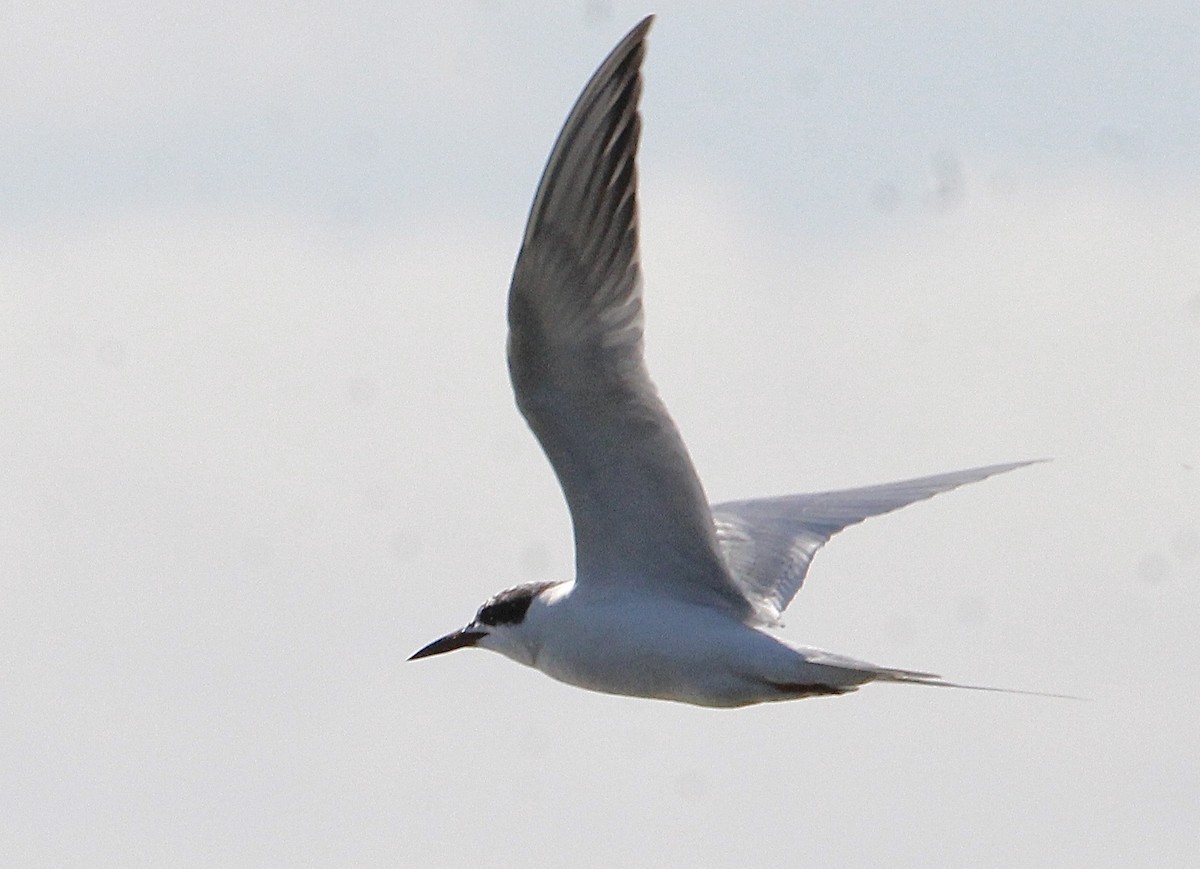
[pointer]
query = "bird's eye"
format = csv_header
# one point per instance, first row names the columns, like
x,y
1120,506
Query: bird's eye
x,y
487,615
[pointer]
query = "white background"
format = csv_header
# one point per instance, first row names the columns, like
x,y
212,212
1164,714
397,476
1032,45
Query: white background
x,y
258,446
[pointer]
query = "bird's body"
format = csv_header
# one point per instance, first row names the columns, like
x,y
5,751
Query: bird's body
x,y
672,650
672,597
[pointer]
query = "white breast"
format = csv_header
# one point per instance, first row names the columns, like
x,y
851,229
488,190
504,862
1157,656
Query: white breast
x,y
650,647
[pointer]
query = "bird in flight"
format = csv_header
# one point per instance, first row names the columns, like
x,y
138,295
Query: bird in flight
x,y
672,598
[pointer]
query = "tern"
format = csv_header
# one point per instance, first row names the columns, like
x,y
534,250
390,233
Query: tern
x,y
672,599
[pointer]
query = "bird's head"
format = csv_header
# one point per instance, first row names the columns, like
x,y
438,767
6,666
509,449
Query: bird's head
x,y
499,625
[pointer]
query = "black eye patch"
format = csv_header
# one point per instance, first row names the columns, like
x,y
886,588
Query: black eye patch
x,y
509,606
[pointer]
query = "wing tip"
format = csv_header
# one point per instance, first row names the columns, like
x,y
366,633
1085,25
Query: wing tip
x,y
623,63
1005,467
630,42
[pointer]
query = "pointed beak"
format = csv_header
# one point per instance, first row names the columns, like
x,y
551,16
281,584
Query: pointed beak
x,y
458,640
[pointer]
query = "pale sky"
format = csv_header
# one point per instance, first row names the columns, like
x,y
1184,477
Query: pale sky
x,y
260,444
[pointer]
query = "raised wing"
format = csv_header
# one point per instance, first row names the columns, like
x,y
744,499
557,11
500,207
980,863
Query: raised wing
x,y
575,357
768,543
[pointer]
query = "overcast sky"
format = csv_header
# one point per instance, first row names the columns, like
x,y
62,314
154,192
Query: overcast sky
x,y
260,446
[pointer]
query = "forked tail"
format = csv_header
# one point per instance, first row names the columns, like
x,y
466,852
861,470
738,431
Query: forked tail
x,y
914,677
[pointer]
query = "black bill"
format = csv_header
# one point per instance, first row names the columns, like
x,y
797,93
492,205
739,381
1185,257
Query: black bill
x,y
458,640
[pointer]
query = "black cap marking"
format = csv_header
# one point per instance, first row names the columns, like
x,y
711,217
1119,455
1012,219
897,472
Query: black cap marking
x,y
509,606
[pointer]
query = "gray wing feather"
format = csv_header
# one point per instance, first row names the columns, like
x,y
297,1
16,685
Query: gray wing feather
x,y
768,543
575,358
